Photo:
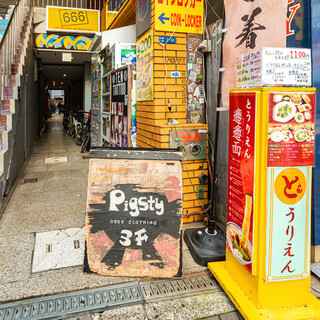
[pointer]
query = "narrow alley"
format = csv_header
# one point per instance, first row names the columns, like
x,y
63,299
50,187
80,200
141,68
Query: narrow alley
x,y
48,201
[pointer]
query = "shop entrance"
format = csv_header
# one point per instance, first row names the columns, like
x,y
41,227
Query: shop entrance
x,y
64,87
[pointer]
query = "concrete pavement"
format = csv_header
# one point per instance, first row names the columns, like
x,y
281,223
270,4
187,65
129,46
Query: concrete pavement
x,y
56,201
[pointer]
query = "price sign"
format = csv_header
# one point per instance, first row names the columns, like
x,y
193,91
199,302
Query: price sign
x,y
71,19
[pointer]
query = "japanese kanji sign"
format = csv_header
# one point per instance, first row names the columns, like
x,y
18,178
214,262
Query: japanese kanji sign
x,y
179,15
288,224
251,25
145,67
241,169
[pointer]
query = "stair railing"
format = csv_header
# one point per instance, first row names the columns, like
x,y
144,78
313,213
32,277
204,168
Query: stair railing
x,y
10,43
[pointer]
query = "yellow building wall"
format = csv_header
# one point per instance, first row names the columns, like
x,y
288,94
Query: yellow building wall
x,y
152,116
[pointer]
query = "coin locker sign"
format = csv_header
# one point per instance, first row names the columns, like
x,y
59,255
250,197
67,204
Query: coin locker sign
x,y
183,15
71,19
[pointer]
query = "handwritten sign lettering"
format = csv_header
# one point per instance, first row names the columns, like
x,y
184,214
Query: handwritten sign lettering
x,y
274,66
133,226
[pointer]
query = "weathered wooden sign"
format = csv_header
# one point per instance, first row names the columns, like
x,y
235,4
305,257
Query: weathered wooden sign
x,y
134,205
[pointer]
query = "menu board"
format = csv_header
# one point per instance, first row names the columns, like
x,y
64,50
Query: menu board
x,y
241,169
288,231
291,129
274,67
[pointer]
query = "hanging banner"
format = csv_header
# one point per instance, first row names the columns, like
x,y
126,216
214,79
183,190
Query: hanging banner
x,y
298,23
315,236
180,16
251,25
241,172
145,67
72,19
288,224
291,129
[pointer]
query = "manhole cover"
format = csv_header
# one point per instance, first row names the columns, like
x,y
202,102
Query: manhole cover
x,y
33,180
58,249
55,160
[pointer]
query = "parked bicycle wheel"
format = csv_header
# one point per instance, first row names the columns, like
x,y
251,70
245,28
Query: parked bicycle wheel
x,y
85,144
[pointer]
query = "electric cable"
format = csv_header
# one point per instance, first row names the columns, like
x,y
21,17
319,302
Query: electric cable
x,y
213,10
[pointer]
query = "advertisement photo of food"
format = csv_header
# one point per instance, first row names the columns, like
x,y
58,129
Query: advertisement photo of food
x,y
291,118
243,253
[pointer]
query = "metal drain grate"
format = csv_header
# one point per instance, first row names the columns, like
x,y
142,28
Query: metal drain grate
x,y
97,300
73,304
33,180
188,286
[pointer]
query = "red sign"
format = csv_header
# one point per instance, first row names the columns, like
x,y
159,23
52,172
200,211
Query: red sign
x,y
241,177
291,129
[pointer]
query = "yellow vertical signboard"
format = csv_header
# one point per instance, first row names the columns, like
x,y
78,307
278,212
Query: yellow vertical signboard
x,y
267,269
145,67
179,15
72,19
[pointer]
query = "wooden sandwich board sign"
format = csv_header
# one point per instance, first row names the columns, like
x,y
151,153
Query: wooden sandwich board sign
x,y
133,220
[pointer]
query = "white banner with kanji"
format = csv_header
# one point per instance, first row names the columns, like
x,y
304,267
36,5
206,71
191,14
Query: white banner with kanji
x,y
251,25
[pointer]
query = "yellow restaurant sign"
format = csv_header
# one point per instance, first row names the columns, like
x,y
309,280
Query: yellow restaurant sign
x,y
179,15
71,19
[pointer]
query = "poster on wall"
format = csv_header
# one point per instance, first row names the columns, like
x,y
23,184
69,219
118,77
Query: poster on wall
x,y
145,67
241,172
133,227
195,81
143,16
288,224
120,108
291,132
251,26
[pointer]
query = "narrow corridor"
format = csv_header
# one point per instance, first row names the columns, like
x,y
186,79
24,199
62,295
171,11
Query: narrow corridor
x,y
56,201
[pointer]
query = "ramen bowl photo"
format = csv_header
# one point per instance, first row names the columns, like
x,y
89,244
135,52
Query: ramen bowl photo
x,y
284,111
300,135
277,136
243,255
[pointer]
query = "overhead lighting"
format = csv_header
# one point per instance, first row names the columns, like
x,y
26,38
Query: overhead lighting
x,y
61,82
64,74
